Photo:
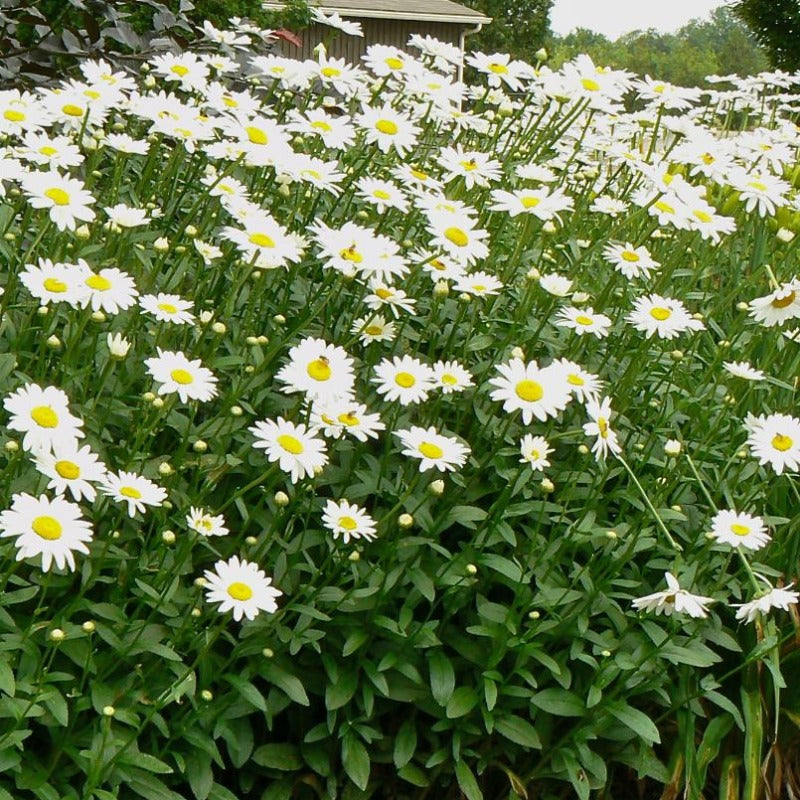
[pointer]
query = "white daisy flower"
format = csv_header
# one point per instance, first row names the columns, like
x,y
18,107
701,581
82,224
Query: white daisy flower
x,y
450,377
168,308
433,449
240,587
536,392
606,440
405,379
584,320
135,490
66,199
739,530
665,317
182,376
71,468
741,369
43,416
775,440
774,598
674,599
348,521
294,447
200,521
317,369
534,450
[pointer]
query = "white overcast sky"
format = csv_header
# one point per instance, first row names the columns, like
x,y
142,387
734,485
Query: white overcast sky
x,y
615,17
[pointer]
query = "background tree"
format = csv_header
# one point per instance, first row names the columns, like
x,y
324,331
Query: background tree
x,y
776,25
519,27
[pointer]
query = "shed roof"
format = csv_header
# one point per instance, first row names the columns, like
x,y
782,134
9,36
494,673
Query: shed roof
x,y
423,10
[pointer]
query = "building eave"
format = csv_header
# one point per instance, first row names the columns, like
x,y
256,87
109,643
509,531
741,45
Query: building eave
x,y
367,13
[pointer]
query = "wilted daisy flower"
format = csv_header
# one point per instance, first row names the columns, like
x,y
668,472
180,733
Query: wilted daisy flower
x,y
53,529
555,284
208,252
450,376
664,316
125,143
739,530
135,490
606,439
534,450
43,416
584,320
775,440
433,449
348,521
741,369
763,604
632,262
674,599
779,306
294,447
240,587
71,468
537,392
182,376
317,368
127,217
66,199
405,379
200,521
168,308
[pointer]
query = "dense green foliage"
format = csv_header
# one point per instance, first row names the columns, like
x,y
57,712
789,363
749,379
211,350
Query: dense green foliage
x,y
776,25
518,27
721,45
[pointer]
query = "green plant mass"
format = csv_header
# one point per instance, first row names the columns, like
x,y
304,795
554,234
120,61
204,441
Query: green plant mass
x,y
776,25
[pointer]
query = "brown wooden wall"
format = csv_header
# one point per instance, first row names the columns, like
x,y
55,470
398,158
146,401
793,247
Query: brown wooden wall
x,y
376,31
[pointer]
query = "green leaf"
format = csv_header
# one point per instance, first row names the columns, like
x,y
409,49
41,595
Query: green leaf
x,y
7,682
464,699
634,719
405,744
146,762
466,780
355,761
284,757
287,683
518,730
443,677
199,774
341,692
559,702
149,787
248,691
414,775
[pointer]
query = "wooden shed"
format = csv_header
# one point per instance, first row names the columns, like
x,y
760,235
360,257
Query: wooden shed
x,y
389,22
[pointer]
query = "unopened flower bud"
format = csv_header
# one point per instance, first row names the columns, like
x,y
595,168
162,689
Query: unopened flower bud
x,y
88,626
148,397
354,556
83,232
284,190
540,54
200,446
436,488
206,695
281,499
53,342
109,711
158,402
279,319
196,612
784,235
471,569
219,327
583,449
742,306
237,411
168,537
250,541
57,635
547,486
612,534
161,245
672,447
676,355
268,652
191,231
441,289
165,468
405,520
11,446
98,316
518,352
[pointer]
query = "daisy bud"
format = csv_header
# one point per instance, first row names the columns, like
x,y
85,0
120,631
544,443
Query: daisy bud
x,y
464,297
262,340
741,454
612,534
14,192
533,274
677,507
281,499
724,343
279,319
580,297
354,556
117,345
267,652
43,311
168,537
96,173
237,411
505,110
547,485
742,306
57,635
605,653
116,534
180,249
148,397
251,541
405,520
249,369
407,243
583,449
206,695
362,215
729,399
149,82
676,355
200,582
540,54
436,488
161,245
88,626
534,615
11,446
206,317
284,191
654,403
549,227
191,231
518,352
165,468
672,447
109,711
196,612
441,289
252,340
219,327
200,446
53,342
158,402
83,232
784,235
472,569
9,237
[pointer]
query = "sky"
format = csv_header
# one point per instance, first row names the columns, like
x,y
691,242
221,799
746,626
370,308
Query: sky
x,y
615,17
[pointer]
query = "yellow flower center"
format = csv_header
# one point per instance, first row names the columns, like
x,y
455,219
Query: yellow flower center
x,y
47,527
290,444
373,330
240,591
129,491
581,319
181,376
430,450
229,101
54,285
470,165
348,419
384,294
58,196
666,208
13,116
261,240
458,237
405,379
659,88
381,194
590,85
72,110
48,151
758,186
312,173
530,202
740,530
179,69
498,69
167,308
703,216
68,469
707,158
782,302
348,523
319,369
449,379
394,63
602,427
629,256
575,380
387,126
781,442
419,174
331,72
98,282
351,254
256,135
44,417
529,391
321,126
660,313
